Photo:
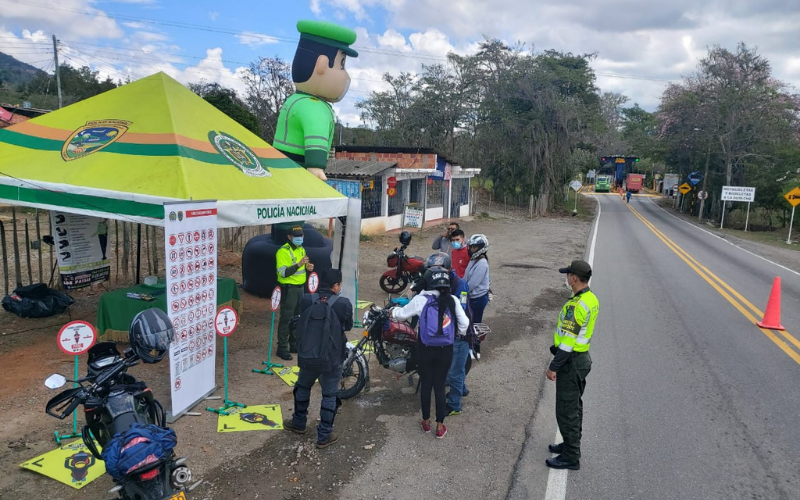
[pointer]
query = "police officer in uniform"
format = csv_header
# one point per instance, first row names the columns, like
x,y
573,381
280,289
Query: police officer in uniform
x,y
305,128
292,263
572,363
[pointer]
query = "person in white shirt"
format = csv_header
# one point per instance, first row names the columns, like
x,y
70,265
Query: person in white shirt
x,y
441,318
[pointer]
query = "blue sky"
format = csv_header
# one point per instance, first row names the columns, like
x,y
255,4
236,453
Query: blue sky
x,y
641,44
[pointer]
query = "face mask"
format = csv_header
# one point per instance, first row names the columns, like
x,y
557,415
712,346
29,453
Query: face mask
x,y
566,283
297,241
457,245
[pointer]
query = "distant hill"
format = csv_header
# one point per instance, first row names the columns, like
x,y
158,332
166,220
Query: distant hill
x,y
14,72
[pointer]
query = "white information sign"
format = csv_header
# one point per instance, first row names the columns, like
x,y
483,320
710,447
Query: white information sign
x,y
190,233
81,246
575,185
76,337
738,193
413,217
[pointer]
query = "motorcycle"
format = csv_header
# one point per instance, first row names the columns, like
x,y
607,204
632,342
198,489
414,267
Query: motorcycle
x,y
394,344
113,402
405,268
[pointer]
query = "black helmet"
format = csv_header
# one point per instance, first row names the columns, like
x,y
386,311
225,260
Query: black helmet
x,y
437,278
150,334
405,238
439,259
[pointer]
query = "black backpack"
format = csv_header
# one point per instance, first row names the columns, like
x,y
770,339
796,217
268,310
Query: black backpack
x,y
319,335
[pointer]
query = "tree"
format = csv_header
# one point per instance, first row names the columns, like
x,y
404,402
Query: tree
x,y
76,84
269,84
227,101
733,116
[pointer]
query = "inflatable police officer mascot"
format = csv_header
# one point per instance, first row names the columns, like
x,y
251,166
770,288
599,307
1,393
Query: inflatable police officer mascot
x,y
306,121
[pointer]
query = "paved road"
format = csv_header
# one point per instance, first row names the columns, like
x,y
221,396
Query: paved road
x,y
687,397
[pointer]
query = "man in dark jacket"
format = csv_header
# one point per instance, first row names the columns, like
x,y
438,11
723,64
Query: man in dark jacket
x,y
330,288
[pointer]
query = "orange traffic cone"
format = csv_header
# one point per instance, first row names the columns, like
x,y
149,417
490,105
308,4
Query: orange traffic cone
x,y
772,317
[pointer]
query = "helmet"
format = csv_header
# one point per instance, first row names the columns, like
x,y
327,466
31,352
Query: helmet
x,y
439,259
150,334
405,238
480,241
436,278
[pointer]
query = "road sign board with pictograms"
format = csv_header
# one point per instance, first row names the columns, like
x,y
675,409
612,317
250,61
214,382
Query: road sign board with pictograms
x,y
685,188
793,197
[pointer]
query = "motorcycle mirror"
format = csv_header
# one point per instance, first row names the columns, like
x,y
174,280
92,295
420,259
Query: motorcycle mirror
x,y
55,381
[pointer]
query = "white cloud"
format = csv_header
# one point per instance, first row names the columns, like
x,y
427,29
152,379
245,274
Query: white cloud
x,y
68,19
649,42
255,40
213,15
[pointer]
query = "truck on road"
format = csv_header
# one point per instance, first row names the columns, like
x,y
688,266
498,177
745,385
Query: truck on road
x,y
634,182
603,184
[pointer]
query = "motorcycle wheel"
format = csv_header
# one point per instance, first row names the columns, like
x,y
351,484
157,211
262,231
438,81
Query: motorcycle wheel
x,y
393,284
354,376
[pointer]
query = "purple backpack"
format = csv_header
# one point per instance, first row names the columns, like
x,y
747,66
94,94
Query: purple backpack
x,y
429,324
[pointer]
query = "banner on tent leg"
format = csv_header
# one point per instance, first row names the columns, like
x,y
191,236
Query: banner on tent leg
x,y
190,234
81,245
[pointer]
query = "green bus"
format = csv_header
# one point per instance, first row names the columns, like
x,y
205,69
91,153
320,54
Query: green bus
x,y
603,184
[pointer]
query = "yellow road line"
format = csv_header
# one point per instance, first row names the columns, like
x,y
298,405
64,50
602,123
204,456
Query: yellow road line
x,y
707,275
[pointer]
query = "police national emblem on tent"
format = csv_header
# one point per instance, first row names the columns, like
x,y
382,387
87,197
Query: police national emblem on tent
x,y
123,153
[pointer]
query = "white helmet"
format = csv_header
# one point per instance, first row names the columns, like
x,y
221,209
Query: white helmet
x,y
480,241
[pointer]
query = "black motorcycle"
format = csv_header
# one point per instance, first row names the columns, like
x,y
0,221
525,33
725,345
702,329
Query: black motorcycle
x,y
394,344
114,402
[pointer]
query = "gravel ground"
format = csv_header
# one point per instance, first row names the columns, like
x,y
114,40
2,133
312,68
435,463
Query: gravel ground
x,y
382,452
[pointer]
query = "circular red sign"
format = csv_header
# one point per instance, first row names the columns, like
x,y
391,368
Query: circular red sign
x,y
226,321
313,282
276,298
391,182
76,337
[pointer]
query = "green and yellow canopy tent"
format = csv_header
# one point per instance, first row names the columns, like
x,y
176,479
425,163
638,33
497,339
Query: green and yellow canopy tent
x,y
122,154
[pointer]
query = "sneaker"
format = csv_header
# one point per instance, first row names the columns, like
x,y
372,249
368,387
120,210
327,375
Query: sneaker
x,y
332,439
451,412
441,432
466,393
284,354
426,426
288,424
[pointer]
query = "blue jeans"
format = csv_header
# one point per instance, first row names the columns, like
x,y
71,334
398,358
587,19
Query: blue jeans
x,y
477,305
457,374
329,382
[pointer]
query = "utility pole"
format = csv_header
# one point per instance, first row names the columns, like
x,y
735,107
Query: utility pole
x,y
705,179
58,74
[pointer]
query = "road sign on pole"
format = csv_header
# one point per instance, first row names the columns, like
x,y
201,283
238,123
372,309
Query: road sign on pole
x,y
793,197
685,188
702,195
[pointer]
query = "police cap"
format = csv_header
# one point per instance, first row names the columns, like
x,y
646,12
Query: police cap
x,y
579,268
329,34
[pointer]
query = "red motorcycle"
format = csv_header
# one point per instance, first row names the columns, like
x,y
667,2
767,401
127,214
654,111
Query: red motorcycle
x,y
405,268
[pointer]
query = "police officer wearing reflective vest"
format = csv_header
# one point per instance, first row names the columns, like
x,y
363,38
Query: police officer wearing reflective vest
x,y
572,363
292,263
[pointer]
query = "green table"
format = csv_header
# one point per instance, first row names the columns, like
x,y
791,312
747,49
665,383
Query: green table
x,y
116,311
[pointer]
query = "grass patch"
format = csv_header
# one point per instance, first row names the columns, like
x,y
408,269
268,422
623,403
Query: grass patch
x,y
365,237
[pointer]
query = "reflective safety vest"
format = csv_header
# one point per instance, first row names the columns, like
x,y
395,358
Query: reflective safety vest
x,y
285,258
576,322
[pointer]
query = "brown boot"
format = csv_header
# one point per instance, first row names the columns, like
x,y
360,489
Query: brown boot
x,y
332,439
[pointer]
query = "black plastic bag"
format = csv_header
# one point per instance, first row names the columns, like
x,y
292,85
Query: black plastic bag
x,y
36,301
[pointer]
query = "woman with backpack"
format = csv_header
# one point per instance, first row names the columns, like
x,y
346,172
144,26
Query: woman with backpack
x,y
441,317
